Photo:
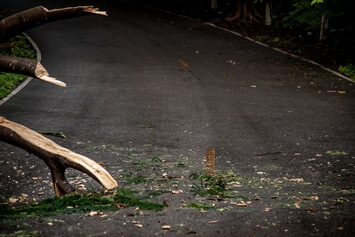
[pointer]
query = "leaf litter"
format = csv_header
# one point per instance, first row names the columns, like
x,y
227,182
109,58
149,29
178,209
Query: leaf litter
x,y
155,174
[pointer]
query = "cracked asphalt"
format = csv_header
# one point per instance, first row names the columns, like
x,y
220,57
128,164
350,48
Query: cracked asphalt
x,y
145,84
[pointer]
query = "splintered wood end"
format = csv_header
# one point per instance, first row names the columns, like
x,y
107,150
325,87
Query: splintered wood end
x,y
52,80
96,11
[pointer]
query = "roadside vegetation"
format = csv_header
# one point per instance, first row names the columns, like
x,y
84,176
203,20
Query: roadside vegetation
x,y
93,203
152,181
319,30
18,47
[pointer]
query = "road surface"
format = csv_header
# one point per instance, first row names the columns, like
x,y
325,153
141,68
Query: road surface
x,y
143,84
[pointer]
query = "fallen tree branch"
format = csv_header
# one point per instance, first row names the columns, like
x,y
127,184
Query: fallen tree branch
x,y
57,158
22,21
27,67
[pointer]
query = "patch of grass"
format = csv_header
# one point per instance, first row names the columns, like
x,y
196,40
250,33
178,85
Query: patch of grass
x,y
134,178
226,176
80,204
118,150
141,165
157,159
214,186
262,37
138,179
8,82
348,70
336,152
18,47
201,206
181,164
275,40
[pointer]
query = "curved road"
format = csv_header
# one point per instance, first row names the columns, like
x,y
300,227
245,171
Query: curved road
x,y
161,85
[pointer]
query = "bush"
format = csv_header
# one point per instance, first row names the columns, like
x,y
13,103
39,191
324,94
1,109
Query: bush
x,y
348,70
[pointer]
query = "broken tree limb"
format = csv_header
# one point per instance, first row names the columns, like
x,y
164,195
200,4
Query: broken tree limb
x,y
22,21
57,158
27,67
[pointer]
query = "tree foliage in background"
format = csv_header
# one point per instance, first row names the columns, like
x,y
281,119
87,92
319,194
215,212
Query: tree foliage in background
x,y
302,16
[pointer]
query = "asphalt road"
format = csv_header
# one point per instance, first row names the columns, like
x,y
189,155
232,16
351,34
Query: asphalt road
x,y
143,83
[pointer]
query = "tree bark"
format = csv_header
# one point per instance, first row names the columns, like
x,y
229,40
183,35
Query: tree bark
x,y
324,27
57,158
268,20
27,67
245,12
36,16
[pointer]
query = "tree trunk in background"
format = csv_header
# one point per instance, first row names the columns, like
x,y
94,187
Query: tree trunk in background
x,y
57,158
324,27
245,12
268,21
22,21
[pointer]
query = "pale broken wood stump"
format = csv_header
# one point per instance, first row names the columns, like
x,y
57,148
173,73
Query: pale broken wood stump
x,y
27,67
57,158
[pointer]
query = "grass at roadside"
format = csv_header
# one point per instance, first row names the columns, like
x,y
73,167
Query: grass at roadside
x,y
18,47
75,203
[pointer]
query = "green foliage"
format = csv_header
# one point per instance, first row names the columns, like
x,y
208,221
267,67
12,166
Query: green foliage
x,y
214,186
81,203
157,159
18,47
304,15
8,82
316,1
201,206
348,70
138,179
336,152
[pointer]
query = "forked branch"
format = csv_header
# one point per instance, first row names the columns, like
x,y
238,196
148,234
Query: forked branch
x,y
56,157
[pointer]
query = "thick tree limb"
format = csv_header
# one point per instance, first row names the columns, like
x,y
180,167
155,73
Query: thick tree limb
x,y
36,16
56,157
27,67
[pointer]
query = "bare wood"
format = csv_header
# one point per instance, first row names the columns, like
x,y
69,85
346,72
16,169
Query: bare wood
x,y
56,157
27,67
211,162
40,15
